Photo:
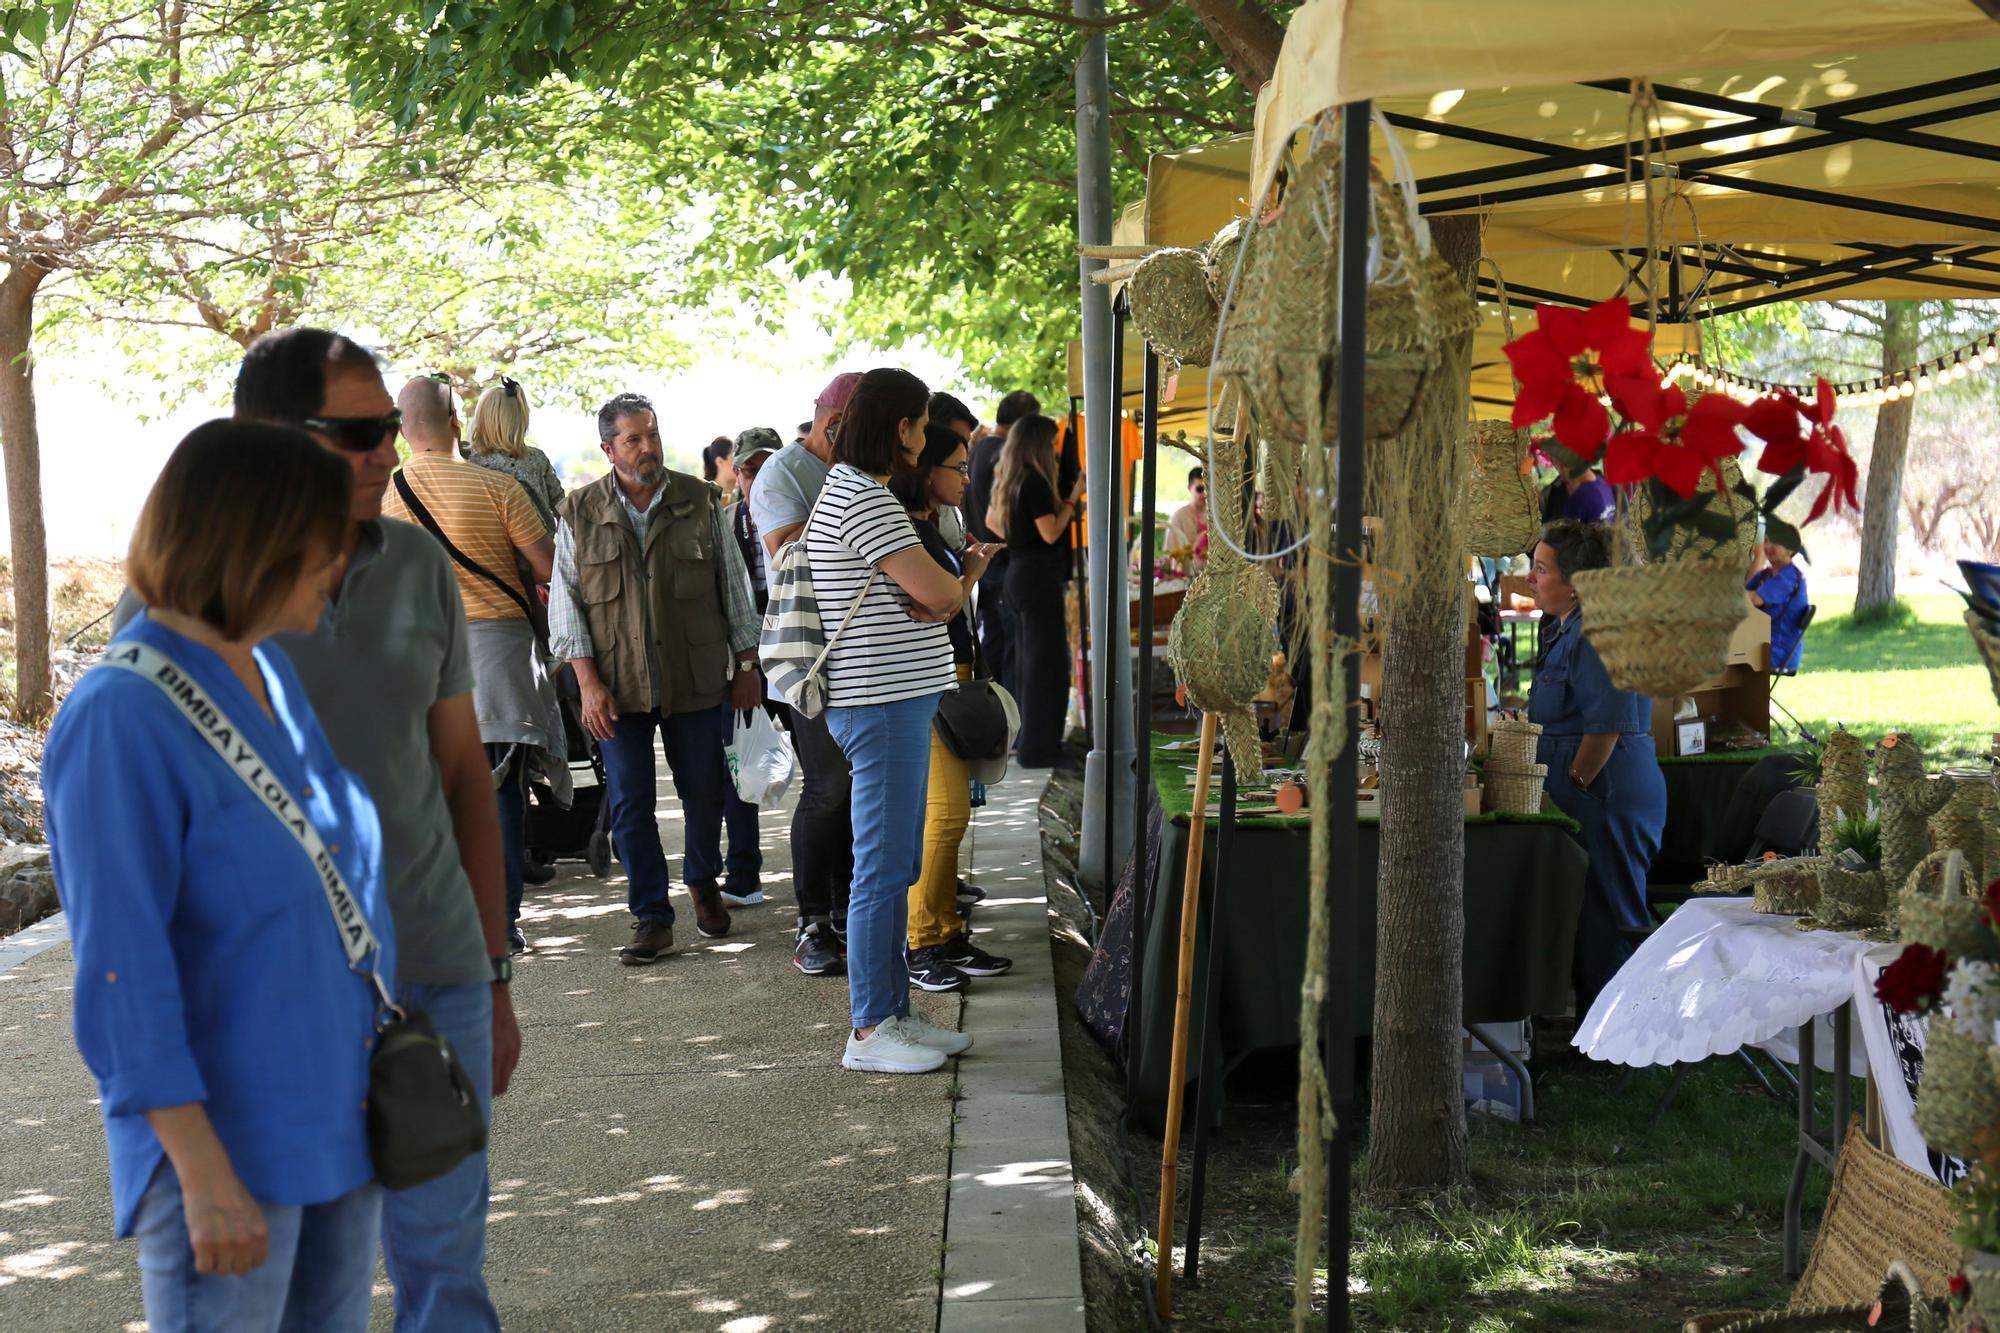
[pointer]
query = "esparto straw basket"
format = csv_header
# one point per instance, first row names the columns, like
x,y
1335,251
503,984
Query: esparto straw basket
x,y
1662,629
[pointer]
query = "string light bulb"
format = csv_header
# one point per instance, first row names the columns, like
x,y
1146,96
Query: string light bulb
x,y
1924,382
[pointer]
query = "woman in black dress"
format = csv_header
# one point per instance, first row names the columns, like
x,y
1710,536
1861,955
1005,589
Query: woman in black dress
x,y
1027,509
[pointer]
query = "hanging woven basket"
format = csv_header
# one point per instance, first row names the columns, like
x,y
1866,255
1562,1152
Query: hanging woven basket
x,y
1500,513
1172,305
1960,1093
1638,506
1219,256
1220,646
1662,629
1989,649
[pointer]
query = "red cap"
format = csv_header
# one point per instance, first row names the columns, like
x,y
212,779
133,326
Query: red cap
x,y
836,394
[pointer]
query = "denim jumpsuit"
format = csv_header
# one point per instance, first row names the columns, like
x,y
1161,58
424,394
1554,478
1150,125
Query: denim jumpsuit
x,y
1621,811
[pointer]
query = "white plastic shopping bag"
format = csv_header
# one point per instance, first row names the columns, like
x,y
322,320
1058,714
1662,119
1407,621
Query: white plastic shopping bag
x,y
760,759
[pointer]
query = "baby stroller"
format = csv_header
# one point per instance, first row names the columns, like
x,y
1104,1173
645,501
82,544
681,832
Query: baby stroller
x,y
582,832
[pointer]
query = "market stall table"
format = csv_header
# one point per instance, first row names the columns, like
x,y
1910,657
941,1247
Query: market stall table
x,y
1523,889
1700,788
1719,976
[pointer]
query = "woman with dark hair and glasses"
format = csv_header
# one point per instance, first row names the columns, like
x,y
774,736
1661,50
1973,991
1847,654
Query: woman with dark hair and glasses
x,y
229,1038
886,669
942,956
498,439
1597,741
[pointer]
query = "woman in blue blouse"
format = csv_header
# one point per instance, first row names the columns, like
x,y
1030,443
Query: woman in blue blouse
x,y
1778,588
1598,744
214,1003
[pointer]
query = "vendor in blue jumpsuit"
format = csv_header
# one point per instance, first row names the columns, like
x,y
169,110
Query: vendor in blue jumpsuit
x,y
1597,742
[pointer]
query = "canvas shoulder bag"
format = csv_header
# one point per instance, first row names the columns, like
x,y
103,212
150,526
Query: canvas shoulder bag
x,y
423,1112
793,644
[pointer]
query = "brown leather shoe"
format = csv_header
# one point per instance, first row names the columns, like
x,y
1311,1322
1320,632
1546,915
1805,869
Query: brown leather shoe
x,y
650,941
711,918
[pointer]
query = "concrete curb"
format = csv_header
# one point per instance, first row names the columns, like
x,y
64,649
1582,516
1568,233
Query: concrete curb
x,y
1011,1249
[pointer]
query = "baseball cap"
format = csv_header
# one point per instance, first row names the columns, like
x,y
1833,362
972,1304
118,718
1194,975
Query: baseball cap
x,y
755,441
836,394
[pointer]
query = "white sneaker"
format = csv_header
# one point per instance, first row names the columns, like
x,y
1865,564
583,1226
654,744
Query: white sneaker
x,y
935,1037
891,1049
750,899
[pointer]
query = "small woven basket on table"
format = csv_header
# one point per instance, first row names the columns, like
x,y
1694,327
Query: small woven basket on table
x,y
1516,791
1942,906
1500,513
1786,887
1960,1093
1662,629
1512,744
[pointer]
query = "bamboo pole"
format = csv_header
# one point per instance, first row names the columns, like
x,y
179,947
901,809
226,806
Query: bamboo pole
x,y
1170,1151
1118,251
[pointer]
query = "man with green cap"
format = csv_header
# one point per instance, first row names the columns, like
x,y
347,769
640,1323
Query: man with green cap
x,y
753,447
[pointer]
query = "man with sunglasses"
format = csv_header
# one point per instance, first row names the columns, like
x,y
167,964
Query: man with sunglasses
x,y
1190,521
388,673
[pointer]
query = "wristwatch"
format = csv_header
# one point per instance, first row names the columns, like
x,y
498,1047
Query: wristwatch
x,y
744,664
503,970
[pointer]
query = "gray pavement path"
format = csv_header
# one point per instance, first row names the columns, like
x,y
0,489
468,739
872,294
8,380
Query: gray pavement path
x,y
681,1149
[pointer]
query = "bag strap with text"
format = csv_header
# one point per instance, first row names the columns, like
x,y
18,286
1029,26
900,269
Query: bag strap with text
x,y
207,717
473,567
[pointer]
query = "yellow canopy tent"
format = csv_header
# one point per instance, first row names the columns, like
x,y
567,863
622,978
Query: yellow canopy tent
x,y
1827,148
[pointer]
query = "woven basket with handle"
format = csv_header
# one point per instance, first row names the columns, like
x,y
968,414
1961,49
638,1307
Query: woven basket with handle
x,y
1172,305
1662,629
1899,1307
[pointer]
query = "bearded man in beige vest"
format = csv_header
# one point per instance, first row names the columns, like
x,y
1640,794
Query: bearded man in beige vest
x,y
652,605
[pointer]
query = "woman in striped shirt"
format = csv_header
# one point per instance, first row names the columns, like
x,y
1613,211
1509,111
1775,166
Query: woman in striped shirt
x,y
885,672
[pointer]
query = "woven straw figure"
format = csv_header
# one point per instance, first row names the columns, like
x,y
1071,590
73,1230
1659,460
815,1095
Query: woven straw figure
x,y
1947,916
1843,787
1500,512
1786,887
1172,305
1960,826
1851,900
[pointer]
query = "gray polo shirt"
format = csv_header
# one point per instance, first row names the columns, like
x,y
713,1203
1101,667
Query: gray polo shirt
x,y
389,648
786,488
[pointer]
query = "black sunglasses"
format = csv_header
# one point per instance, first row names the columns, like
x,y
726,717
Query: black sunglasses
x,y
357,435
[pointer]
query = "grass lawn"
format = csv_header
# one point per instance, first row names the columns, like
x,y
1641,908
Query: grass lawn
x,y
1920,675
1592,1218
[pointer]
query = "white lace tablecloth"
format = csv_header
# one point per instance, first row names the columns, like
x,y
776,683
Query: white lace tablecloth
x,y
1716,977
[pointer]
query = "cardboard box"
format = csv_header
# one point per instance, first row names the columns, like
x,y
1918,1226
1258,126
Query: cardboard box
x,y
1475,801
1739,697
1750,645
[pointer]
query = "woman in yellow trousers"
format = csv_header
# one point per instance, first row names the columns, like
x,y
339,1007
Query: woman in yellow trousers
x,y
942,956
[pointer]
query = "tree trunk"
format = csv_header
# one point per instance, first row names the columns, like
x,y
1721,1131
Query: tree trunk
x,y
1246,34
21,449
1882,505
1417,1137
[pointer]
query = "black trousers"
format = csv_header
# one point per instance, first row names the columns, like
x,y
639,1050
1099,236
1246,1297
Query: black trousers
x,y
996,627
1041,661
823,822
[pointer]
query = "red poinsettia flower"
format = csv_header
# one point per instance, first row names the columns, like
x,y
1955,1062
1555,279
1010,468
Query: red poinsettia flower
x,y
1826,454
1993,905
1960,1288
1915,981
1706,435
1563,363
1774,419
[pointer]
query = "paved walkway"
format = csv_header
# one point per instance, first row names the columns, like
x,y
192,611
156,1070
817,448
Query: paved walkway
x,y
681,1149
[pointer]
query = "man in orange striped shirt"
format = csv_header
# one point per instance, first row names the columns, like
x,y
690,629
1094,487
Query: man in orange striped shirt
x,y
485,521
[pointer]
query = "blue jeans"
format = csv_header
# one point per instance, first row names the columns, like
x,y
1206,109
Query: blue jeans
x,y
694,743
434,1235
513,795
1622,813
319,1276
889,747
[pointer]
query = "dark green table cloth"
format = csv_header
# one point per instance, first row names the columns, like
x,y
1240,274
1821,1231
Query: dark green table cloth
x,y
1523,888
1699,790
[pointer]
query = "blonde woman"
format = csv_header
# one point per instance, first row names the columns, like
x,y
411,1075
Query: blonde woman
x,y
1029,511
499,440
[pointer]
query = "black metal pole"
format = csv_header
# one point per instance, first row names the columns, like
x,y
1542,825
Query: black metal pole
x,y
1337,1018
1208,1093
1142,729
1079,565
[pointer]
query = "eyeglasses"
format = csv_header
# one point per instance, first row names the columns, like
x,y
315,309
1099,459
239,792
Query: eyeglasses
x,y
357,435
1199,490
962,469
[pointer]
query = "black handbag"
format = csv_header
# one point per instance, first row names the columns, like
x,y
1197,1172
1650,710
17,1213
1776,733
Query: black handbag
x,y
971,720
424,1116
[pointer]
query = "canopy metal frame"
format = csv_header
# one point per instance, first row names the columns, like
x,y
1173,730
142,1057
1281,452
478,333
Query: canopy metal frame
x,y
1761,276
